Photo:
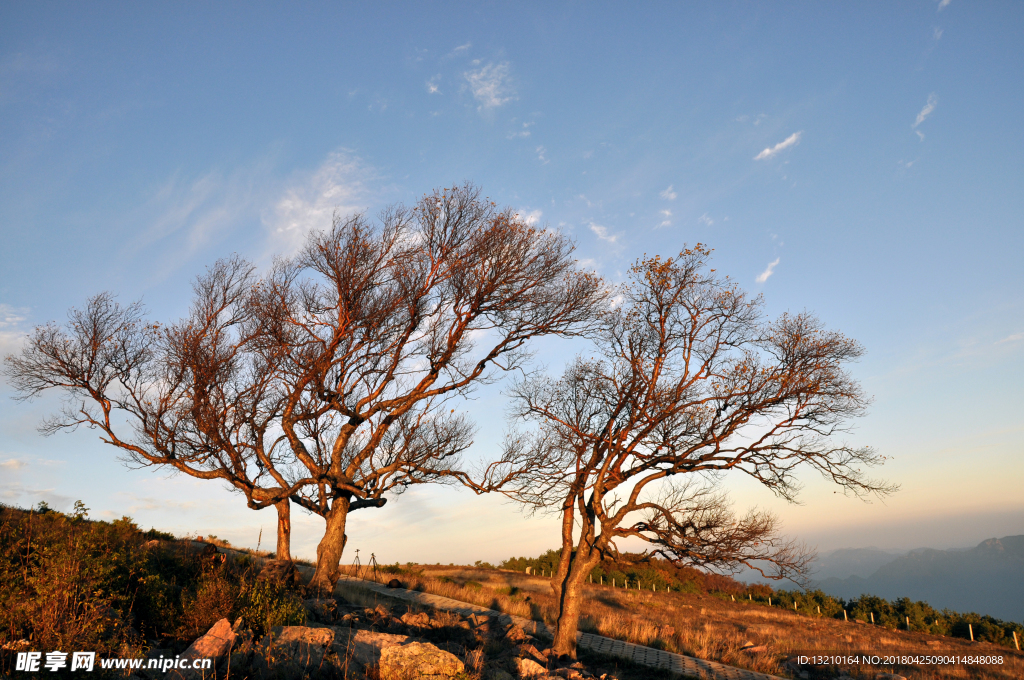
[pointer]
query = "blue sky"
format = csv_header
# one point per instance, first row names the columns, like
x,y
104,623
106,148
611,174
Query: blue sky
x,y
858,160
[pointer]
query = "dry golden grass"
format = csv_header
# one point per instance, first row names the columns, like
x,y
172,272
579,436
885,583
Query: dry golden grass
x,y
713,628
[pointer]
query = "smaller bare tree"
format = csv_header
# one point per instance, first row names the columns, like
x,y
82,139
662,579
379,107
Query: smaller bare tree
x,y
198,397
689,379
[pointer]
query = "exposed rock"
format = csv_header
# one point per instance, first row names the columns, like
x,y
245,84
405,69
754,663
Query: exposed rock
x,y
17,645
531,651
214,645
498,674
364,646
516,634
568,673
528,668
421,620
418,660
292,651
278,571
395,583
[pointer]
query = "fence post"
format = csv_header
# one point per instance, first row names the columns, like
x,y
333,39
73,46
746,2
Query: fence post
x,y
908,622
794,605
873,618
970,629
819,610
1015,643
769,601
733,597
844,616
613,583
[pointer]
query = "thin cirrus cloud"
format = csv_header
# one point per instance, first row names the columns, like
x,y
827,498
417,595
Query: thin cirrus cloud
x,y
602,233
339,185
669,194
769,270
491,85
792,140
927,110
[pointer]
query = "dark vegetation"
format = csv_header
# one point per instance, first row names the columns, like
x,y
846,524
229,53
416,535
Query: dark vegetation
x,y
70,583
633,568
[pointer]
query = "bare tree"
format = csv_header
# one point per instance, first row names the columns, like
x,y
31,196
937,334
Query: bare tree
x,y
331,380
688,379
381,326
198,397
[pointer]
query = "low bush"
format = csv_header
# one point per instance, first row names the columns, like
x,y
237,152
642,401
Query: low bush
x,y
69,583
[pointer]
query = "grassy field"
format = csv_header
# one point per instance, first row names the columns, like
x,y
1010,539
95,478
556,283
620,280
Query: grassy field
x,y
714,627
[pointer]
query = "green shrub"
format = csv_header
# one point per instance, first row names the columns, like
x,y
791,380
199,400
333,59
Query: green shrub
x,y
264,605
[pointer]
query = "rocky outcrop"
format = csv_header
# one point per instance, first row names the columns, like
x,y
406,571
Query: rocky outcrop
x,y
389,644
418,660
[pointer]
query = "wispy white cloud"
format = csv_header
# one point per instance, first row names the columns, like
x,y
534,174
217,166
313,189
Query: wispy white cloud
x,y
936,32
541,151
792,140
1016,337
769,270
927,110
462,48
491,85
13,464
523,132
943,4
340,185
432,85
669,194
532,218
705,219
602,233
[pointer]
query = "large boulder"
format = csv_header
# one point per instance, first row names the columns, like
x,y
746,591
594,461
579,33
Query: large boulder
x,y
418,660
293,652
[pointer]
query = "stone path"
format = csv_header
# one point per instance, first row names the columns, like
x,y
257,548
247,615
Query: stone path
x,y
648,656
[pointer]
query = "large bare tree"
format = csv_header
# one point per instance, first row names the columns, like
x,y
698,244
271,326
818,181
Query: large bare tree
x,y
688,382
380,326
330,381
198,396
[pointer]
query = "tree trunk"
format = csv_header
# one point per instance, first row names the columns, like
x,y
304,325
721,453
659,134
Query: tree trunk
x,y
332,545
571,597
565,558
284,530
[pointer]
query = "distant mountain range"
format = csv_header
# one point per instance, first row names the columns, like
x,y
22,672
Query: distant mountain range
x,y
987,579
